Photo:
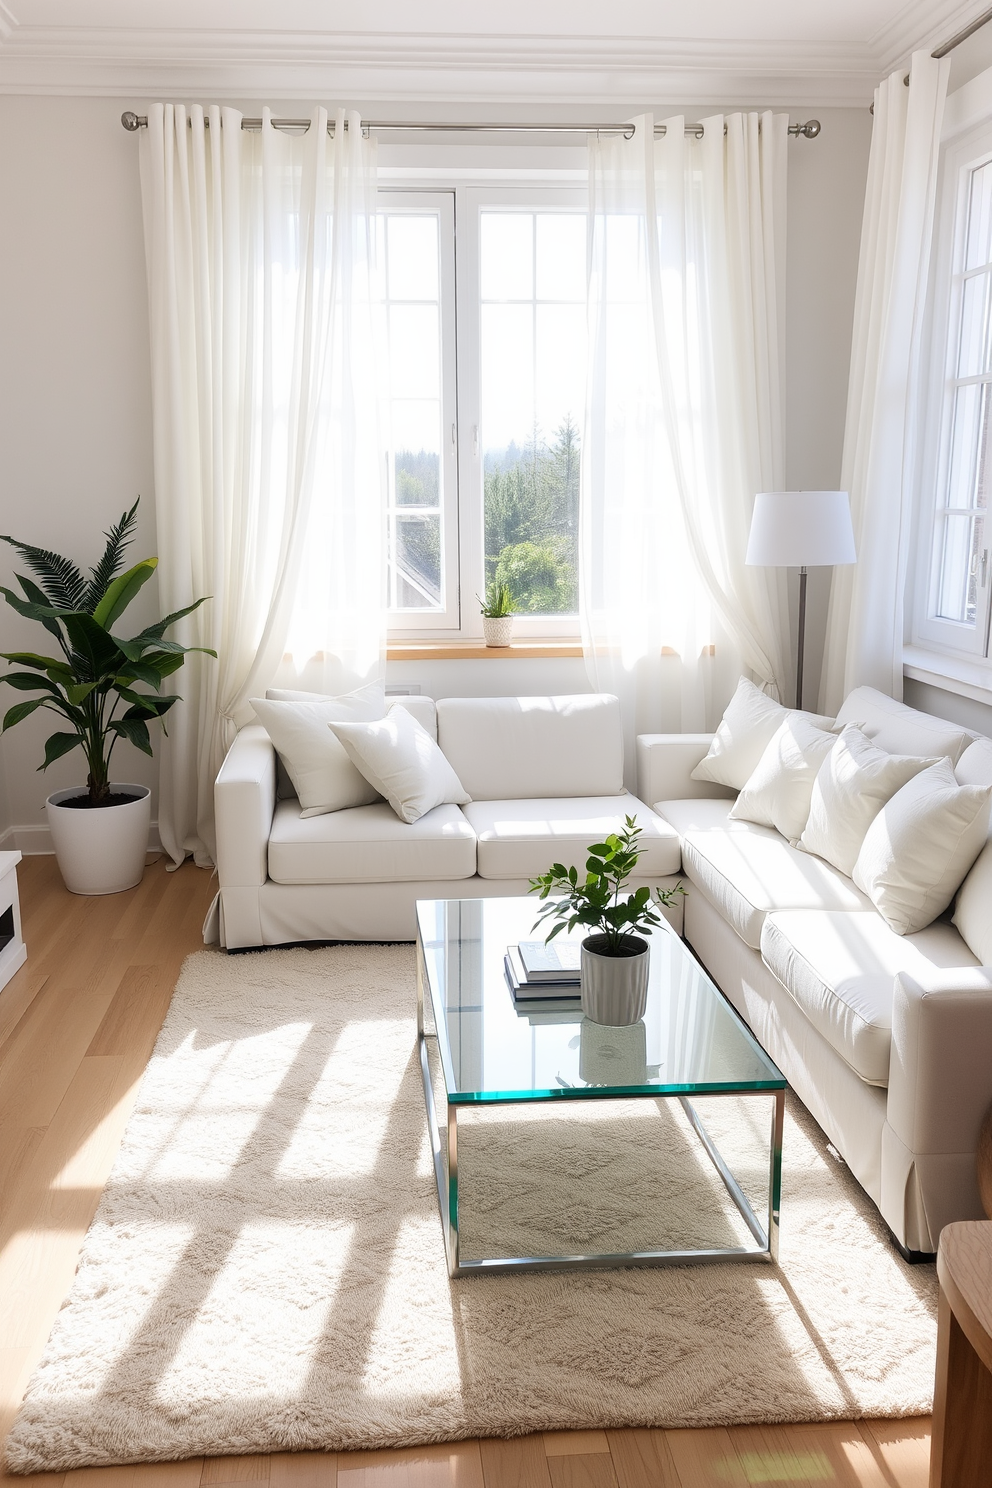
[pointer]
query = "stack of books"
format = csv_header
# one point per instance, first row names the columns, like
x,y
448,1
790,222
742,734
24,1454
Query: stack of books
x,y
537,971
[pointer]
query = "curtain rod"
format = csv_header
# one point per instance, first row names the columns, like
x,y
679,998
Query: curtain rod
x,y
809,130
955,41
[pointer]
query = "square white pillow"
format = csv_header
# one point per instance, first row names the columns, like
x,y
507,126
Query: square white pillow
x,y
854,783
920,846
322,774
401,760
745,730
777,793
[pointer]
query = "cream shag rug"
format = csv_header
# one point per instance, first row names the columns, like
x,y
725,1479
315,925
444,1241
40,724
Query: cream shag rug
x,y
266,1272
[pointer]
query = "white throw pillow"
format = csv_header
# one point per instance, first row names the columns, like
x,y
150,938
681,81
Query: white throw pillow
x,y
973,911
854,783
400,759
322,774
745,730
920,846
777,793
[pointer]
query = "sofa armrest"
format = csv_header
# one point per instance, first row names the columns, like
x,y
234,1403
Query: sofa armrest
x,y
940,1070
244,803
665,763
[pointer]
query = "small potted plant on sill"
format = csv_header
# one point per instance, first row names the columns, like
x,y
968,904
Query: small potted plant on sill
x,y
497,613
615,958
100,830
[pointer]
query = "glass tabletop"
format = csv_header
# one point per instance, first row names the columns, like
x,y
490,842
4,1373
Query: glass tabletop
x,y
494,1049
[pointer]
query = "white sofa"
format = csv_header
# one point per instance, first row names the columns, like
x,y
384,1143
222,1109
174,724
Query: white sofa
x,y
546,779
887,1039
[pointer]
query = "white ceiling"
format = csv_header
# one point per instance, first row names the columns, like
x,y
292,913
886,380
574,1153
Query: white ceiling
x,y
552,52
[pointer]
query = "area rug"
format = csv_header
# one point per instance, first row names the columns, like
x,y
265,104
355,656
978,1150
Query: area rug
x,y
266,1270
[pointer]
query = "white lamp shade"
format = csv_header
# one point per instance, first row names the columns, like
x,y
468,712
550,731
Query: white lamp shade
x,y
801,529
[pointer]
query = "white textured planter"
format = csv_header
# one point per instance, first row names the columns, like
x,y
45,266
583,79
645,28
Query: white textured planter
x,y
102,850
497,630
614,988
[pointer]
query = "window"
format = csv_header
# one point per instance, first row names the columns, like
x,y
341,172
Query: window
x,y
482,297
954,580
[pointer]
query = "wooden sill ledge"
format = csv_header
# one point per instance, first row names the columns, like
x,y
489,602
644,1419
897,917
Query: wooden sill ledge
x,y
521,650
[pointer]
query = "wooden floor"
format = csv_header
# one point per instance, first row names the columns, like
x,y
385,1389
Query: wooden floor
x,y
77,1025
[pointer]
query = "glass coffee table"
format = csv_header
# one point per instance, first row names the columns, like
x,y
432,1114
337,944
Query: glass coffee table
x,y
691,1056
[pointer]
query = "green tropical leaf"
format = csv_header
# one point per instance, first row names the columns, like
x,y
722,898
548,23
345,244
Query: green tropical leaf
x,y
157,631
33,609
18,711
61,581
134,729
35,596
118,539
77,692
121,592
145,706
96,652
31,659
29,682
56,745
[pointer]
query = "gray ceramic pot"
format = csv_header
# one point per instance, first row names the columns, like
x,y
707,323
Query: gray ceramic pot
x,y
614,988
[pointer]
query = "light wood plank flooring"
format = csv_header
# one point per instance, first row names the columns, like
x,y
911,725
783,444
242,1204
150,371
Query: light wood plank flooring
x,y
77,1025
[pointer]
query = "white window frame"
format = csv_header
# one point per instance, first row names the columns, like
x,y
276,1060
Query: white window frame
x,y
446,618
463,537
932,633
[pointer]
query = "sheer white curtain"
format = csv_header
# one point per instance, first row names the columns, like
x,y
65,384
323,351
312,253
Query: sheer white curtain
x,y
865,619
684,414
268,479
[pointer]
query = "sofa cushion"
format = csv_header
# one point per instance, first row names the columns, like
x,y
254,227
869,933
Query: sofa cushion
x,y
778,790
747,727
369,844
899,729
401,760
703,814
853,784
920,846
515,748
748,872
839,969
522,838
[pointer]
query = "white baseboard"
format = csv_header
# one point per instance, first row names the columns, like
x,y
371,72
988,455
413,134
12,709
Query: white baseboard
x,y
37,840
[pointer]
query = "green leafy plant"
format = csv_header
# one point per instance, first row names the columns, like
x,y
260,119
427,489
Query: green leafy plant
x,y
95,675
596,901
498,602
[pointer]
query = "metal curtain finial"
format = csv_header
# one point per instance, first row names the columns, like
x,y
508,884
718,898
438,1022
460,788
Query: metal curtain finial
x,y
131,121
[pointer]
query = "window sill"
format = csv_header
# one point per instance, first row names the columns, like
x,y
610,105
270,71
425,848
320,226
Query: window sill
x,y
950,673
473,650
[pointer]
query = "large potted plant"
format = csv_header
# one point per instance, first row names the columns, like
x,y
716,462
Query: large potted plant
x,y
615,958
100,830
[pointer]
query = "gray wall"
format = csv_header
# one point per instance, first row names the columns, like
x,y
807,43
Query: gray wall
x,y
75,429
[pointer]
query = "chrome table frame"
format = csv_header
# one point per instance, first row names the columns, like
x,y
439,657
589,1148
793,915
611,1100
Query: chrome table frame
x,y
766,1236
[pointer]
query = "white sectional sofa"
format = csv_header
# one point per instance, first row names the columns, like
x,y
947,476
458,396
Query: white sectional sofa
x,y
546,779
887,1039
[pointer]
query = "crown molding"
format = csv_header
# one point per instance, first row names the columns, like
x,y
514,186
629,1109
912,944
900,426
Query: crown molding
x,y
432,69
922,24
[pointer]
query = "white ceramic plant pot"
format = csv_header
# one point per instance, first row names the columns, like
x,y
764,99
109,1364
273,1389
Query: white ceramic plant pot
x,y
613,1056
497,629
614,988
100,850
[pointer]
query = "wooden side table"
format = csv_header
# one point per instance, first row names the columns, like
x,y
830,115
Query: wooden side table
x,y
12,949
961,1445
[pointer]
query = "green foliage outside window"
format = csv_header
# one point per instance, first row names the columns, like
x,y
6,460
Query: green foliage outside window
x,y
532,522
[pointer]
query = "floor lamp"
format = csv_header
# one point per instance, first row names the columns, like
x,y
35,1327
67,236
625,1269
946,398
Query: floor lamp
x,y
801,529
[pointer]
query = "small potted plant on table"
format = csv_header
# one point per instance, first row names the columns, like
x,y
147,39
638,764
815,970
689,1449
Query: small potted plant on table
x,y
99,830
497,614
615,958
